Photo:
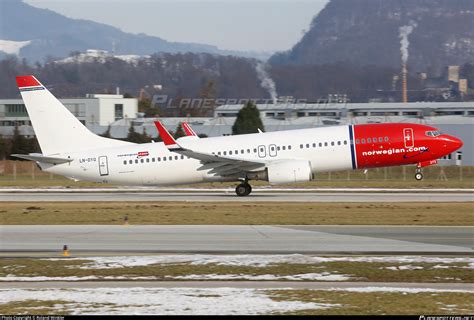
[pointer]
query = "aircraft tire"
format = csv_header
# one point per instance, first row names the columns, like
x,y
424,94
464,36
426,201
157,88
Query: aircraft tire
x,y
243,189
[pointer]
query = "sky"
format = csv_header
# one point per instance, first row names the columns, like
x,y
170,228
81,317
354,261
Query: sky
x,y
244,25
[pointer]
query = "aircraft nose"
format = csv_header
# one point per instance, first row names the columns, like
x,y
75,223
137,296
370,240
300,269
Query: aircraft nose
x,y
454,143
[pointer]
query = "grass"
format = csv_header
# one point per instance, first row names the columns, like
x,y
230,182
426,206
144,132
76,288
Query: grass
x,y
380,303
358,271
351,303
235,213
35,307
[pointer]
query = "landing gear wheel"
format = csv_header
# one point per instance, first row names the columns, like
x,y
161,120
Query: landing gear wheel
x,y
419,176
243,189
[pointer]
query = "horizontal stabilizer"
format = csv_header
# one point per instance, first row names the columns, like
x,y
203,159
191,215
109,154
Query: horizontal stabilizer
x,y
40,158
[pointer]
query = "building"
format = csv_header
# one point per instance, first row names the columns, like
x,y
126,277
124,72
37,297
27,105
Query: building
x,y
96,110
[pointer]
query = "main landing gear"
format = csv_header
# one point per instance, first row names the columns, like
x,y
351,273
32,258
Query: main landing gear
x,y
243,189
418,174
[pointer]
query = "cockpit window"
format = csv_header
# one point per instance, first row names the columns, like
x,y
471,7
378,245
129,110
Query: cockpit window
x,y
434,133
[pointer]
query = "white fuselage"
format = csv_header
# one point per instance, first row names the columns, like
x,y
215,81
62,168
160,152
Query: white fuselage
x,y
154,164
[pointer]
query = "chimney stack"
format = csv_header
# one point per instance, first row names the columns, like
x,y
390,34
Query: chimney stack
x,y
404,84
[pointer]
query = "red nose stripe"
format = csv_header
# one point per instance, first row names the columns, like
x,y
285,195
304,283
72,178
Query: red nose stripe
x,y
26,81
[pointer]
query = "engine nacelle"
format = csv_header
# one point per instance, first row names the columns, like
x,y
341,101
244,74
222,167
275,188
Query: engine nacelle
x,y
289,171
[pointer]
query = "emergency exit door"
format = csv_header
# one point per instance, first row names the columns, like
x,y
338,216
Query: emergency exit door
x,y
103,166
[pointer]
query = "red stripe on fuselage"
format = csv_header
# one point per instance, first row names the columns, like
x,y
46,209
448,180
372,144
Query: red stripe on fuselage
x,y
392,144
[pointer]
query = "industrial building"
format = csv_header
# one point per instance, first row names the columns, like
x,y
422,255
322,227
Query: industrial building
x,y
95,110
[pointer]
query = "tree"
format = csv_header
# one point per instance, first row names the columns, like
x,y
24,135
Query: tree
x,y
136,137
179,132
248,120
20,144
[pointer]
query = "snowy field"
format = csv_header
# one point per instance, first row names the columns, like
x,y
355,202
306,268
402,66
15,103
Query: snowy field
x,y
144,301
254,260
13,272
182,301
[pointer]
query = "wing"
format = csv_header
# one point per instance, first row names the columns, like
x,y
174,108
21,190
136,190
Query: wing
x,y
218,165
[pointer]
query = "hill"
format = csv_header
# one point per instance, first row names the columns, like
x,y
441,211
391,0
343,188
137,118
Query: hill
x,y
36,34
365,32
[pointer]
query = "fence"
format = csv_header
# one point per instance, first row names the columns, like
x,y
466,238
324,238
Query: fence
x,y
28,170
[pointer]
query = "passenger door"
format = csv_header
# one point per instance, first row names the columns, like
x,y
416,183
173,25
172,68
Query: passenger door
x,y
408,138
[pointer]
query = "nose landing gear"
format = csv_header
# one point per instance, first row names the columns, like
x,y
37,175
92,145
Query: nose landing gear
x,y
419,176
243,189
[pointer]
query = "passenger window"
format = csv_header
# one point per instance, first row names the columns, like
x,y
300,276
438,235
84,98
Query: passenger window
x,y
236,151
357,141
176,157
248,150
225,153
278,148
314,145
320,144
363,141
152,159
284,147
125,162
147,160
332,143
289,147
164,158
142,160
242,151
182,157
219,153
345,142
325,144
230,152
170,158
301,146
380,139
130,161
339,143
307,145
386,139
159,159
255,150
369,140
136,161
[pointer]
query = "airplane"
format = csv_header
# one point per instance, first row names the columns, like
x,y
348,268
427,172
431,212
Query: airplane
x,y
283,157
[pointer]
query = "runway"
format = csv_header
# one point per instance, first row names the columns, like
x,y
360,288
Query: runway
x,y
31,240
229,195
300,285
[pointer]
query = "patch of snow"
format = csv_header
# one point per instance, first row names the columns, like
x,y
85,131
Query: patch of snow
x,y
11,277
398,289
13,47
405,267
165,301
325,276
251,260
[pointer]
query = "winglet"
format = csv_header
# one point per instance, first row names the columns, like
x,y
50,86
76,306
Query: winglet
x,y
167,138
188,130
28,82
